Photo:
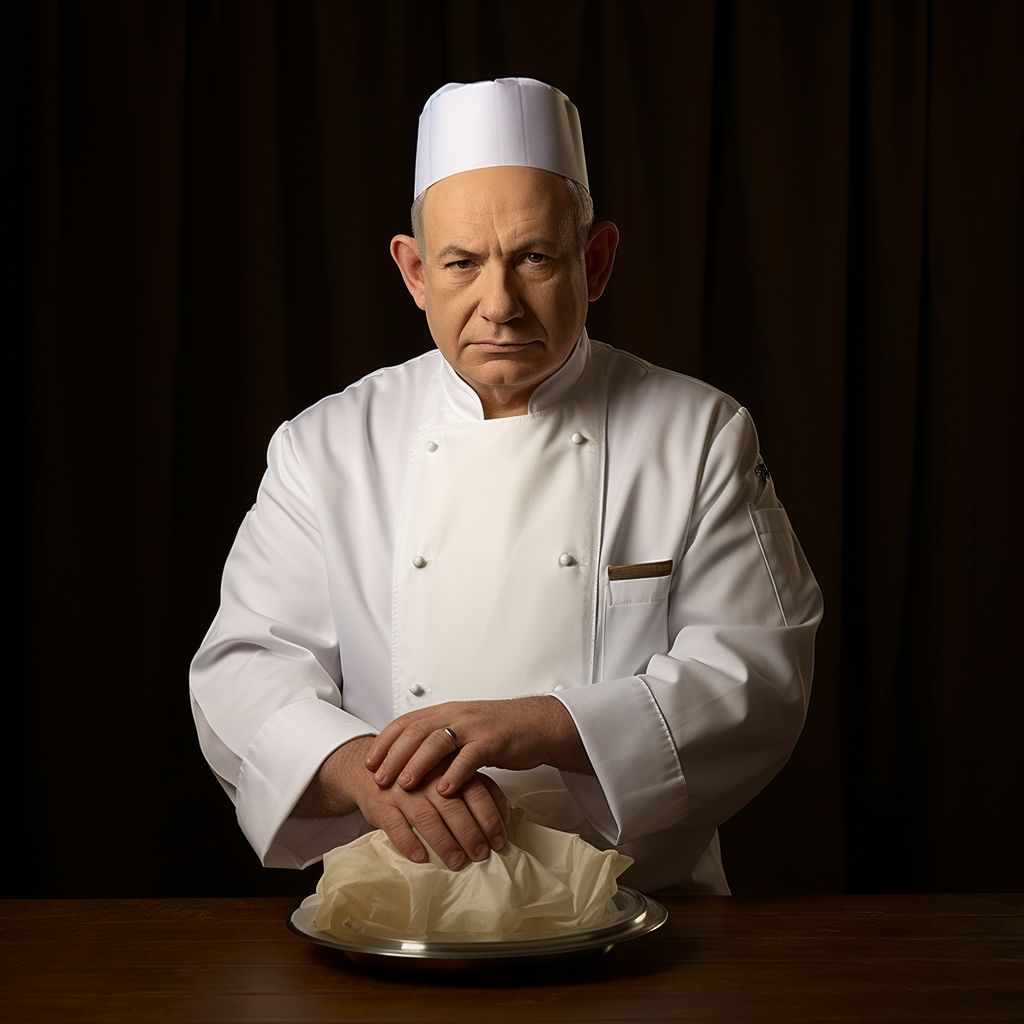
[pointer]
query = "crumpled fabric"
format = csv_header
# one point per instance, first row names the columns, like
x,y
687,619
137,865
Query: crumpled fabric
x,y
542,880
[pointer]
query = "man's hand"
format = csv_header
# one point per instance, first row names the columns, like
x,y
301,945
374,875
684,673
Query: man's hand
x,y
521,733
461,827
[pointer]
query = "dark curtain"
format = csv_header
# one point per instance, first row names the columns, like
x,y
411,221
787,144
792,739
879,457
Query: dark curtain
x,y
821,212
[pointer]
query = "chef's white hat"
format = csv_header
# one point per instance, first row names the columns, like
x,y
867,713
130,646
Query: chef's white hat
x,y
517,122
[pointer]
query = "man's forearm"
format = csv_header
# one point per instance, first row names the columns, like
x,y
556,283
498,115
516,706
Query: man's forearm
x,y
568,754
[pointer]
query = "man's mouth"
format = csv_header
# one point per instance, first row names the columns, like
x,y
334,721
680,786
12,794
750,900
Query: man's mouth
x,y
501,347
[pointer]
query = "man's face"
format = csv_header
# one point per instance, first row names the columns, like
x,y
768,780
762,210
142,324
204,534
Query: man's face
x,y
504,279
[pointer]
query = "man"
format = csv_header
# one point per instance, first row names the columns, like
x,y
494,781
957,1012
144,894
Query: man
x,y
523,552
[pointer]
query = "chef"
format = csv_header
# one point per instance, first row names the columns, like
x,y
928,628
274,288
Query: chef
x,y
522,569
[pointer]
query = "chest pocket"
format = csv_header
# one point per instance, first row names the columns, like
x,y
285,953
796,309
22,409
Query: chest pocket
x,y
635,616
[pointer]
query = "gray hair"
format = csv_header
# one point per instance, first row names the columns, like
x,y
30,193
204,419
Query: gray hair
x,y
583,213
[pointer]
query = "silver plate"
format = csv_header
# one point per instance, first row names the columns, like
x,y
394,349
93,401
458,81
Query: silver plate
x,y
632,914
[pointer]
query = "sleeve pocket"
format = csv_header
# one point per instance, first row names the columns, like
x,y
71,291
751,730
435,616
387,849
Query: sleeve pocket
x,y
784,559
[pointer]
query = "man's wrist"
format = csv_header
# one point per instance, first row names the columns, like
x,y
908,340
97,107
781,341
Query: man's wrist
x,y
570,754
334,791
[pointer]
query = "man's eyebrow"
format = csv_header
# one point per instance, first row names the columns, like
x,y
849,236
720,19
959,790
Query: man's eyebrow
x,y
536,245
530,245
458,252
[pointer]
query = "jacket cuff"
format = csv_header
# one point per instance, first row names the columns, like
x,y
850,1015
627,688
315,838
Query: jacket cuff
x,y
278,766
636,792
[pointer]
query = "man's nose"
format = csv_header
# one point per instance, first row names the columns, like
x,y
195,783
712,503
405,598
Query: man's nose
x,y
499,301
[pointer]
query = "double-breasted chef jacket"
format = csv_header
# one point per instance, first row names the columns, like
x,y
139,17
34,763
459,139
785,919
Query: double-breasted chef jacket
x,y
619,546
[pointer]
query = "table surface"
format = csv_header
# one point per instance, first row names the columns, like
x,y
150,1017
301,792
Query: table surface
x,y
785,959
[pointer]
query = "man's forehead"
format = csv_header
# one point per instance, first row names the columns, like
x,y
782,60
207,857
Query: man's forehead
x,y
523,196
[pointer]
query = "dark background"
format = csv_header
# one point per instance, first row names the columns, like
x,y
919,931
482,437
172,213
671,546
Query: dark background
x,y
821,213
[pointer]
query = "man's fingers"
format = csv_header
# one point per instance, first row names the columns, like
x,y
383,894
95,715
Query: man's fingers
x,y
498,796
382,743
433,749
385,740
463,827
404,839
422,741
466,764
466,829
437,832
452,832
489,807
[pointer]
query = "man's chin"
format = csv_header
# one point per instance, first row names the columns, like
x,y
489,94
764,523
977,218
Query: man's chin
x,y
508,372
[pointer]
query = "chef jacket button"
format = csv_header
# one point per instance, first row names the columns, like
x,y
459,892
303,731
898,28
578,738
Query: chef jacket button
x,y
577,438
555,689
419,561
566,559
432,446
416,690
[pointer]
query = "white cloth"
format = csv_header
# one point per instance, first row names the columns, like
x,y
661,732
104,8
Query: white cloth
x,y
699,680
542,880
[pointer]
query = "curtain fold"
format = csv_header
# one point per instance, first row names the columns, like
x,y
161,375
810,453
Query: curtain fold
x,y
821,214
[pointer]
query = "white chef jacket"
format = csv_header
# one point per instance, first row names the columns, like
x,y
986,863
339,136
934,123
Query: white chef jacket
x,y
694,685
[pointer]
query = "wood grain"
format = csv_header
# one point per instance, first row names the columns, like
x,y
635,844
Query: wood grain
x,y
785,959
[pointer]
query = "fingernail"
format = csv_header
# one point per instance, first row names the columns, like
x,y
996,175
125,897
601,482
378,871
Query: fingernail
x,y
457,862
419,856
443,787
405,779
481,853
498,844
380,776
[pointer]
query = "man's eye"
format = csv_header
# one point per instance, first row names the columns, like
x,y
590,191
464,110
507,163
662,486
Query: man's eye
x,y
536,258
460,264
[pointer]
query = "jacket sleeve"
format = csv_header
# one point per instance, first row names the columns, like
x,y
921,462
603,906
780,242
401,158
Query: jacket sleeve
x,y
266,682
718,713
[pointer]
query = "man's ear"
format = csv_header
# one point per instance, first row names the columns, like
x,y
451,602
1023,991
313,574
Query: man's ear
x,y
405,251
600,255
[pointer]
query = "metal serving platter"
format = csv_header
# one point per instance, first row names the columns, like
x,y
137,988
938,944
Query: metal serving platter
x,y
630,915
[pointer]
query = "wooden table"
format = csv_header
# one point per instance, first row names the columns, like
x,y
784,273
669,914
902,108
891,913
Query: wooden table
x,y
785,959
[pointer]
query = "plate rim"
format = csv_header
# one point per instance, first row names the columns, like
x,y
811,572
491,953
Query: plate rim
x,y
649,915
